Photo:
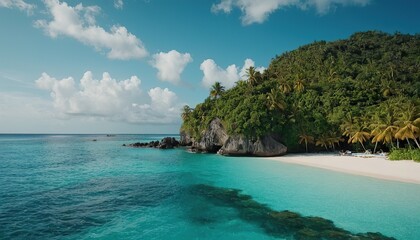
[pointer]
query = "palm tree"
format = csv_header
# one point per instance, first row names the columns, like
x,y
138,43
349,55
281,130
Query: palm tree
x,y
275,100
216,90
360,136
252,76
304,138
186,111
323,142
299,85
407,122
332,75
387,135
348,125
377,129
285,87
332,140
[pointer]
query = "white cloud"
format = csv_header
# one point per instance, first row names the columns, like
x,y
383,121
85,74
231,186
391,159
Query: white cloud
x,y
162,109
228,77
258,11
20,4
118,4
110,99
79,23
170,65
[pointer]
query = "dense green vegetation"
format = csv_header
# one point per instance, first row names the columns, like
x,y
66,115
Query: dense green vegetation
x,y
362,92
405,154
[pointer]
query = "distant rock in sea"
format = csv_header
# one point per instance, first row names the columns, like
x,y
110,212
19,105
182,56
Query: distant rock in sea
x,y
165,143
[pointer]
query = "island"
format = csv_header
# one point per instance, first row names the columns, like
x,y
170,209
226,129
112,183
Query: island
x,y
359,94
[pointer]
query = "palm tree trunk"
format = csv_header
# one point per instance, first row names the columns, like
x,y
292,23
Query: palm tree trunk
x,y
362,145
374,150
409,145
398,143
417,143
306,145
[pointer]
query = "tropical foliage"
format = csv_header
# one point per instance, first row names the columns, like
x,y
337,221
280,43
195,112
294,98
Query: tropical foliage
x,y
362,93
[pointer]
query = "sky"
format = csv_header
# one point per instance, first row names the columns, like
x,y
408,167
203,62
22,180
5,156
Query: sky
x,y
128,66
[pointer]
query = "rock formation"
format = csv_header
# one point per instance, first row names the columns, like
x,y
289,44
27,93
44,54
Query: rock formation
x,y
165,143
215,139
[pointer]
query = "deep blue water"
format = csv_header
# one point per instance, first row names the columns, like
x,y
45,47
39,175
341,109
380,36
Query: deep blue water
x,y
70,187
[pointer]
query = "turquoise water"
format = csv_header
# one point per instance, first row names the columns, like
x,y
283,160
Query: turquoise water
x,y
70,187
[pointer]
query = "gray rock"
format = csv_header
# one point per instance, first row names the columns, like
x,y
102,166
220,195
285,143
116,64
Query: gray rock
x,y
266,146
213,138
185,139
165,143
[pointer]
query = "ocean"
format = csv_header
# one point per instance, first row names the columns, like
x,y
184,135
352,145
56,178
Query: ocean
x,y
72,187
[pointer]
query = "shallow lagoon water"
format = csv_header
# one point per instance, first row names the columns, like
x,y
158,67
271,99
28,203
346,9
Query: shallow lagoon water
x,y
70,187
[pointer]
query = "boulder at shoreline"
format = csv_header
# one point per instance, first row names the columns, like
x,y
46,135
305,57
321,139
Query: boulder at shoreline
x,y
215,139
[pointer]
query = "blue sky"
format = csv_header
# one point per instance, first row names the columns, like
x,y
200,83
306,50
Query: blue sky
x,y
128,66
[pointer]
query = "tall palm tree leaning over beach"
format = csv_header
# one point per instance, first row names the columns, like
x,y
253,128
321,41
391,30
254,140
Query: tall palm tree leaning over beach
x,y
407,122
216,90
359,136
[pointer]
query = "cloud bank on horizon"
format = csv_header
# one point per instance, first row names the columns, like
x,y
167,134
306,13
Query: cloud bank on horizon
x,y
110,99
258,11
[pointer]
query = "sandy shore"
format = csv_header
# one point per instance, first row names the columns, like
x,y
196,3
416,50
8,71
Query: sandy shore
x,y
377,167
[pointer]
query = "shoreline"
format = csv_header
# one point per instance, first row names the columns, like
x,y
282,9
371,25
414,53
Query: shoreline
x,y
376,167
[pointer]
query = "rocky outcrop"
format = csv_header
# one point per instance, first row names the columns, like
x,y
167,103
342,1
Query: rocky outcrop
x,y
215,139
185,139
165,143
266,146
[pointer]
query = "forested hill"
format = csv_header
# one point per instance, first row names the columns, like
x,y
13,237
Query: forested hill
x,y
323,94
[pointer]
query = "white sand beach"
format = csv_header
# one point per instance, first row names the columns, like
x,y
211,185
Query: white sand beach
x,y
377,167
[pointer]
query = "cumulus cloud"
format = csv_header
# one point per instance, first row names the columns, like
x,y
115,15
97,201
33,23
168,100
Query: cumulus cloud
x,y
118,4
228,77
78,22
170,65
110,99
19,4
161,109
258,11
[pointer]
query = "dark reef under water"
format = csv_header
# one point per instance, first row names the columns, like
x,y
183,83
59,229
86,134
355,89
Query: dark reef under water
x,y
282,224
